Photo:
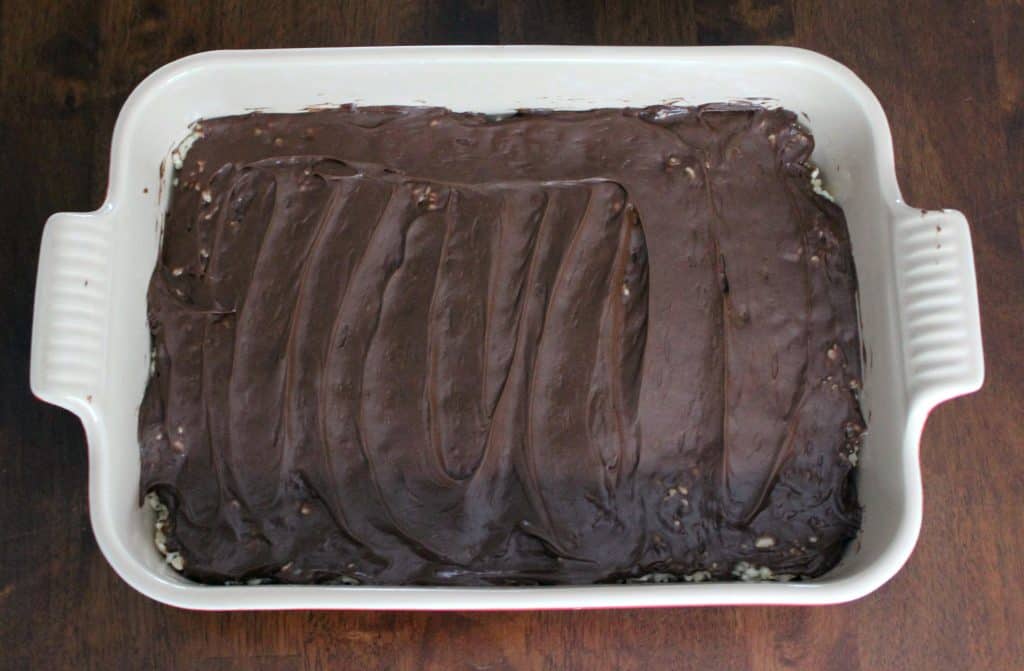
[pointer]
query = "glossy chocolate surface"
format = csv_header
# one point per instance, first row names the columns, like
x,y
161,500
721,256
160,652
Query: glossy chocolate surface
x,y
409,346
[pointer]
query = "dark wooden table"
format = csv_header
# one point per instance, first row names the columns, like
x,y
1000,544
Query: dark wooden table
x,y
951,78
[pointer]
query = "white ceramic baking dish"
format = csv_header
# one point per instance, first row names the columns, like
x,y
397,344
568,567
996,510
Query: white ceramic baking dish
x,y
918,297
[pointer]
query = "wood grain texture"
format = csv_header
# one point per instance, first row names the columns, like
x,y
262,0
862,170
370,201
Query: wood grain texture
x,y
951,78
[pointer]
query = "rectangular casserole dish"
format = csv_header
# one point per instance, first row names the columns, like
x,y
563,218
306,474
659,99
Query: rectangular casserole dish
x,y
918,297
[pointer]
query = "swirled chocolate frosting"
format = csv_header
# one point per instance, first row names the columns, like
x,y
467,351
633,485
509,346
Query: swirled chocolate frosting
x,y
410,346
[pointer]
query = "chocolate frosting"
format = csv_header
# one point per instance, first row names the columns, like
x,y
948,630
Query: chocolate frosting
x,y
410,346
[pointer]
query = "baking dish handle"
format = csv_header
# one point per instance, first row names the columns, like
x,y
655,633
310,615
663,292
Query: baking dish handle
x,y
938,304
71,309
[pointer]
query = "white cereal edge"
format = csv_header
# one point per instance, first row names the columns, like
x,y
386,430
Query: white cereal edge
x,y
818,186
179,152
696,576
748,572
174,559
